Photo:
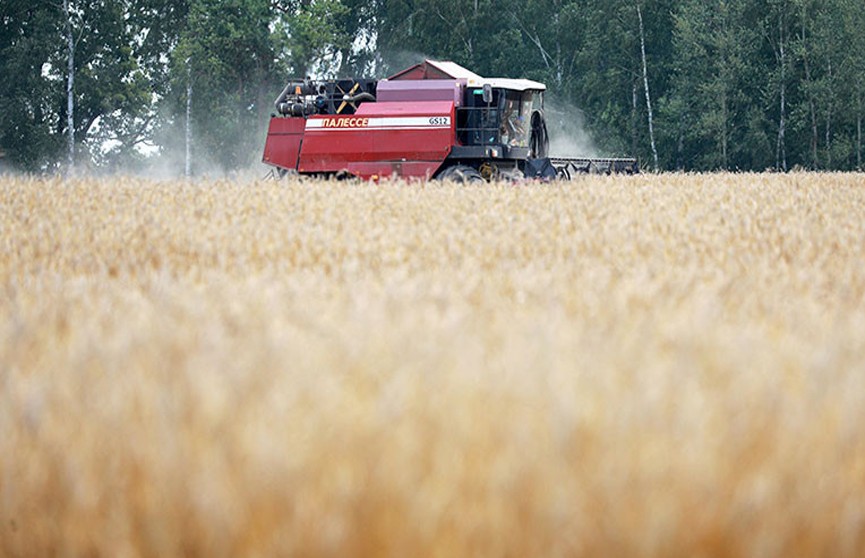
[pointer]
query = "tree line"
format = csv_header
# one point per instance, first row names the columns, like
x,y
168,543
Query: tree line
x,y
119,85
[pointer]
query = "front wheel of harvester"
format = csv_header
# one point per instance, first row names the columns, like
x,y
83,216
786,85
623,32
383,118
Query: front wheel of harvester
x,y
462,174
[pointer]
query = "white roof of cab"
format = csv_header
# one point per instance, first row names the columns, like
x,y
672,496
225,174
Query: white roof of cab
x,y
508,83
474,80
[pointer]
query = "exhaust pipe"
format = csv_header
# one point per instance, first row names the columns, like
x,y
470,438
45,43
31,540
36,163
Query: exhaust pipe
x,y
365,96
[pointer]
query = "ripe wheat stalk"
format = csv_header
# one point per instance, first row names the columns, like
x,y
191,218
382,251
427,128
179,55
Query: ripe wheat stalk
x,y
643,366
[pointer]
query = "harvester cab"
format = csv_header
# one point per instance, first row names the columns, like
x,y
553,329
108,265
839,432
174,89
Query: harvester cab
x,y
432,120
500,126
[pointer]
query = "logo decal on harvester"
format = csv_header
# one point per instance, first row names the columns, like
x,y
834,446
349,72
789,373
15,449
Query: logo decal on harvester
x,y
344,122
335,123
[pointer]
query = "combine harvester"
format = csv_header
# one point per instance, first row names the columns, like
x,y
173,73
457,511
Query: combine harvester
x,y
434,120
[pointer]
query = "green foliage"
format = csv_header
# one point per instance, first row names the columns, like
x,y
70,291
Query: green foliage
x,y
112,93
714,52
29,118
309,36
224,53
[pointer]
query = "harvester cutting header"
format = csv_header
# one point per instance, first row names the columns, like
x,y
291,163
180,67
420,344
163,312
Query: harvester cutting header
x,y
432,120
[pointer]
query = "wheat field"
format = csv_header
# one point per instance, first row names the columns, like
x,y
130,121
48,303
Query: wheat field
x,y
665,365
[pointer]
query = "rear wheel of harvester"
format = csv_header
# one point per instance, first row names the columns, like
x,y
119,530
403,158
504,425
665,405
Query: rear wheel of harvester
x,y
462,174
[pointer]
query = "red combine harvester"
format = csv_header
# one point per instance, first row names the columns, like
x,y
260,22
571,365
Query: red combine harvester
x,y
433,120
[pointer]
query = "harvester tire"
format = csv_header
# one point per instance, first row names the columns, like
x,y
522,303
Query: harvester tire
x,y
462,174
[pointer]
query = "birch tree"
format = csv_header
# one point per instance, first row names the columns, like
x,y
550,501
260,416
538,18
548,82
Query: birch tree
x,y
714,49
70,87
854,29
804,48
225,56
646,88
776,30
187,166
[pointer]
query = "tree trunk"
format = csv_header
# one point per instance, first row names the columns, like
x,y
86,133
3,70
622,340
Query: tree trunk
x,y
70,88
188,166
781,147
646,87
781,155
829,108
726,73
859,143
829,136
634,117
558,52
815,162
859,129
724,118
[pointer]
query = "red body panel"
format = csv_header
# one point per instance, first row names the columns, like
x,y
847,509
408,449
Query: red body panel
x,y
283,142
383,138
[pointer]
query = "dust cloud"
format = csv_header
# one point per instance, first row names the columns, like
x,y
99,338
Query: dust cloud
x,y
566,125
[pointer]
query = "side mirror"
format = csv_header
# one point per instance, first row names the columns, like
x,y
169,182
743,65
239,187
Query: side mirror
x,y
488,93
